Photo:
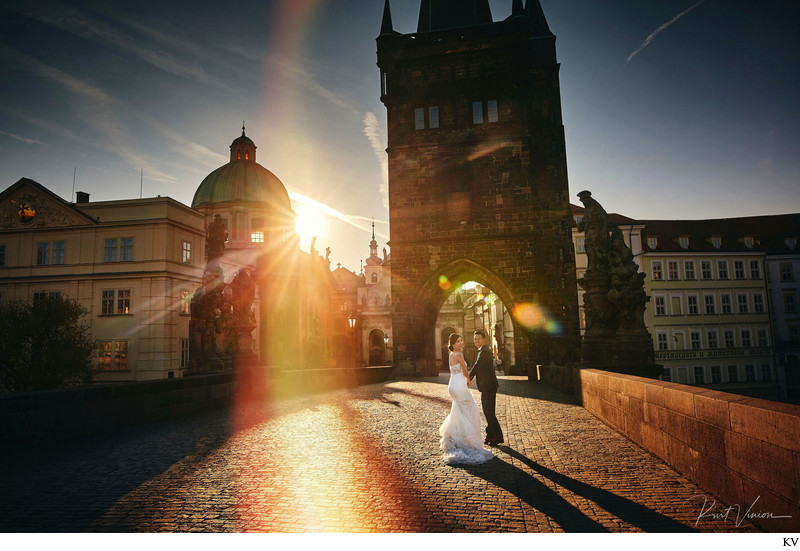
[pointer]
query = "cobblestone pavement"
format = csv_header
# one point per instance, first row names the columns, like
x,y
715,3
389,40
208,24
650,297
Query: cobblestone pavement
x,y
355,460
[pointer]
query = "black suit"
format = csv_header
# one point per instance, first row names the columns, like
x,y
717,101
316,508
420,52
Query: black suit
x,y
483,372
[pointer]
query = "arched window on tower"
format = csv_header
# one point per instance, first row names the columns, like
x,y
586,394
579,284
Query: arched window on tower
x,y
238,154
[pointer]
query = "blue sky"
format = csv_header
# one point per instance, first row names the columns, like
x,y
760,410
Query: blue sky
x,y
672,108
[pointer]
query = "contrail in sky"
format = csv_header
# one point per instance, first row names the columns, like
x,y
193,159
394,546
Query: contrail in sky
x,y
650,38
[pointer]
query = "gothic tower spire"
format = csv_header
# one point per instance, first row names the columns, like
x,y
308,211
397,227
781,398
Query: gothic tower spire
x,y
534,12
386,24
516,8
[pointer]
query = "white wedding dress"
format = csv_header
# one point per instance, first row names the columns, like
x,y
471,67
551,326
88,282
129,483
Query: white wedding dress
x,y
462,442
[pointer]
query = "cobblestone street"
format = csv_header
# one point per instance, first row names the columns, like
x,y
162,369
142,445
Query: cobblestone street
x,y
354,460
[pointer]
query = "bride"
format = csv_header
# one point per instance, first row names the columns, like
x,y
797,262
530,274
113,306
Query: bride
x,y
462,441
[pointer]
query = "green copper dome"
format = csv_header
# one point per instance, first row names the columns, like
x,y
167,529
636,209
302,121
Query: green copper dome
x,y
242,180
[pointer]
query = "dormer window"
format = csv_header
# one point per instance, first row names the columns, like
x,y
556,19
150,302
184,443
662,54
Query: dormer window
x,y
792,243
578,219
684,241
652,242
716,242
748,241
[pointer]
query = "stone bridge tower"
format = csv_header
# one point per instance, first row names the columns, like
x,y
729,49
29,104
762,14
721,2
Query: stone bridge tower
x,y
478,176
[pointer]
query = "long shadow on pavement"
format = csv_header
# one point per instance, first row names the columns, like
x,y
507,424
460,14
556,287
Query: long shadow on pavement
x,y
624,508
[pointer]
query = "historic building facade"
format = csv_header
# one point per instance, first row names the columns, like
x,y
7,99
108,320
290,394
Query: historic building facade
x,y
132,264
477,175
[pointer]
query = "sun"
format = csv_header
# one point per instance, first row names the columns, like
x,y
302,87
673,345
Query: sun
x,y
310,222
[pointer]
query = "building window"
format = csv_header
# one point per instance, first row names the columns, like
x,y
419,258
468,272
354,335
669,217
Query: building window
x,y
110,250
709,302
672,269
749,241
107,304
126,249
741,301
684,242
491,108
755,269
661,309
580,245
791,243
658,273
374,278
725,304
758,303
419,118
112,355
186,303
688,269
41,295
662,341
712,340
58,252
694,338
433,116
766,372
43,254
787,272
733,373
666,375
699,376
789,302
716,242
749,373
186,252
257,237
692,302
738,269
727,336
722,269
124,301
477,112
761,335
746,340
716,374
184,353
705,269
652,242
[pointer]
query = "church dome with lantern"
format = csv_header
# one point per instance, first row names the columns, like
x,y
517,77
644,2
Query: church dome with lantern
x,y
251,200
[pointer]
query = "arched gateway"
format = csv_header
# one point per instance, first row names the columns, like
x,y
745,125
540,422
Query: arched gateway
x,y
478,176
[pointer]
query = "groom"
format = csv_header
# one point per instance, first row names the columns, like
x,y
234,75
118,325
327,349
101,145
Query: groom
x,y
483,372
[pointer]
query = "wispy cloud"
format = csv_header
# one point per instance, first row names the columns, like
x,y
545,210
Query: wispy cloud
x,y
655,33
377,139
23,139
361,222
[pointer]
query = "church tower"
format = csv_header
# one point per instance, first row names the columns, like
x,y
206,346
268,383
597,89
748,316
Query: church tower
x,y
478,175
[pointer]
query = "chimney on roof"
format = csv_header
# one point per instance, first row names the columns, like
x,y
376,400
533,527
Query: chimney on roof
x,y
81,197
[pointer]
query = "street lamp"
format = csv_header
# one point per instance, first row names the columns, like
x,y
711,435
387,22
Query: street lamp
x,y
351,320
386,341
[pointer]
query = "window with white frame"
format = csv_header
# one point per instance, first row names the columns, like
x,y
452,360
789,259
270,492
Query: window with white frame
x,y
672,270
741,301
789,302
712,339
126,249
758,303
725,303
41,295
186,252
661,308
112,355
124,301
738,269
580,245
708,300
747,342
491,110
691,301
733,373
658,271
749,373
58,252
699,375
728,338
419,118
684,241
121,298
688,269
716,373
716,242
666,375
186,303
477,112
722,269
749,241
705,269
43,253
433,116
761,337
652,242
256,237
755,269
787,271
694,339
661,338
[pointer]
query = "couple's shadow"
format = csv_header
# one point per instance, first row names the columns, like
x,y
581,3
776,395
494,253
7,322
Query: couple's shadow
x,y
542,498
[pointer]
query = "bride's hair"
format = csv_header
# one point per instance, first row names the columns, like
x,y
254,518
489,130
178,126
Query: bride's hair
x,y
453,338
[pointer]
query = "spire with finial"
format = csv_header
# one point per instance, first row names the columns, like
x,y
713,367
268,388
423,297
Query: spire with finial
x,y
242,128
243,148
516,8
373,248
386,23
534,12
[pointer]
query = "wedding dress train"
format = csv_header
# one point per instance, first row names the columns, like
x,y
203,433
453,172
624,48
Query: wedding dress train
x,y
461,441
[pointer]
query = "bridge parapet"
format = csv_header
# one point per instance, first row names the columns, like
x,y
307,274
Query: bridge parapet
x,y
745,451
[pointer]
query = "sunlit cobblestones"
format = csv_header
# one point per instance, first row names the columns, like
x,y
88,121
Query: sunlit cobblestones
x,y
356,460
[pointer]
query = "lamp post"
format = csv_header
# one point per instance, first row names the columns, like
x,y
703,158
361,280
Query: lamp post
x,y
351,321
